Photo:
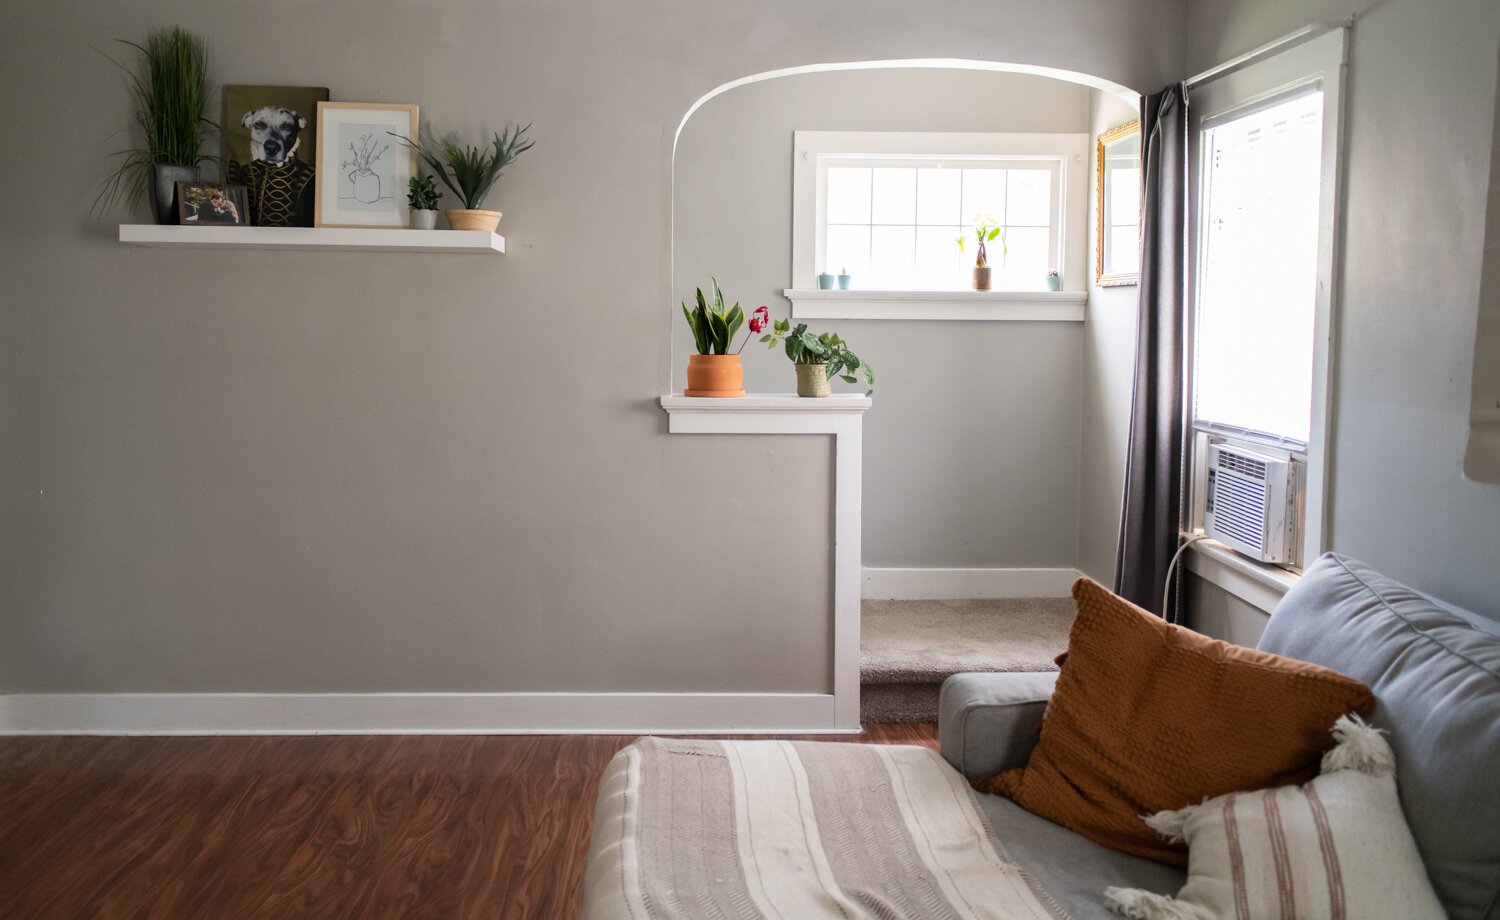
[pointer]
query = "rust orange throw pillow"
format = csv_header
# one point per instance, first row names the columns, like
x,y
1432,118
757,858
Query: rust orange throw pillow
x,y
1152,717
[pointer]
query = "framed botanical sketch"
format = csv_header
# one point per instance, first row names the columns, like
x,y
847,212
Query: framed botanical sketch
x,y
363,166
271,147
1117,251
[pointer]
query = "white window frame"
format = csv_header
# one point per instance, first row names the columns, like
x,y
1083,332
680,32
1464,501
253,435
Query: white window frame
x,y
814,151
1313,56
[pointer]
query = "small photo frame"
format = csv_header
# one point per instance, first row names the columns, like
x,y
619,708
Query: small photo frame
x,y
363,166
203,204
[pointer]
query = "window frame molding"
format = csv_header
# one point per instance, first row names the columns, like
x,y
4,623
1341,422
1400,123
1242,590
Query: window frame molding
x,y
1071,150
1317,58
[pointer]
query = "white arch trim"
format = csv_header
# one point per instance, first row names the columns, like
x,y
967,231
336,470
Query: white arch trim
x,y
1124,93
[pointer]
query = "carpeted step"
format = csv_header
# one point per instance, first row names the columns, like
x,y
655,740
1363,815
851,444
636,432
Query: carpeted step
x,y
908,648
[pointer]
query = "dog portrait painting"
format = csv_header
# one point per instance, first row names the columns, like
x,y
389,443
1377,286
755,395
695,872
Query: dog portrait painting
x,y
271,148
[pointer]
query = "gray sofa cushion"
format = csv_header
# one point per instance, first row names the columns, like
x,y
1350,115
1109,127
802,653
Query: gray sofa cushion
x,y
1072,868
988,723
1436,681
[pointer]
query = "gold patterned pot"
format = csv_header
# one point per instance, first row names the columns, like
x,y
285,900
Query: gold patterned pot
x,y
464,219
812,380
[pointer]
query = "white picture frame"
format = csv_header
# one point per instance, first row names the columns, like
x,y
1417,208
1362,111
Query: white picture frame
x,y
363,165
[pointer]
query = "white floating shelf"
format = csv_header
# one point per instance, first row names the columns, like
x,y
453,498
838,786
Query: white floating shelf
x,y
328,239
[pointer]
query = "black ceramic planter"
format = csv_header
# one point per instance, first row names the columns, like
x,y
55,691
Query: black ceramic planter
x,y
164,181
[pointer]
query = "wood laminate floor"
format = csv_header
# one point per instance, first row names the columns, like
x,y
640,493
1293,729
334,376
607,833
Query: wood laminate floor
x,y
305,827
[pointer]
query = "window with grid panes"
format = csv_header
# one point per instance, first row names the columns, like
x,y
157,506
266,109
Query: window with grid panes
x,y
894,222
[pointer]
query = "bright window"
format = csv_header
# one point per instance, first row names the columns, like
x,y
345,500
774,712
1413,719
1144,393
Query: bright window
x,y
1121,220
887,208
1264,183
1258,270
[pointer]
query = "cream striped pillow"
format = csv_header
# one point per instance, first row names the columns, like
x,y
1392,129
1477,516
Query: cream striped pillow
x,y
1336,848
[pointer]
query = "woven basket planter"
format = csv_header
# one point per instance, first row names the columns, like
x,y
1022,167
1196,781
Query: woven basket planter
x,y
812,380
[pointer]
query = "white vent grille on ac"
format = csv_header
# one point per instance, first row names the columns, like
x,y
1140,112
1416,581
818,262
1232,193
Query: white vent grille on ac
x,y
1250,503
1243,463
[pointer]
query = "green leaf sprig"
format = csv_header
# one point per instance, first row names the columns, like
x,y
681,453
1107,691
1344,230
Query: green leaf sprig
x,y
986,230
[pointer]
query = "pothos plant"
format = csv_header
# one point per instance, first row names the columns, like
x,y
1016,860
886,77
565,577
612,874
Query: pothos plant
x,y
986,230
802,347
715,326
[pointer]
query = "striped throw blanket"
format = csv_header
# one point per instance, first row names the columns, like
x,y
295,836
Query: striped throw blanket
x,y
796,830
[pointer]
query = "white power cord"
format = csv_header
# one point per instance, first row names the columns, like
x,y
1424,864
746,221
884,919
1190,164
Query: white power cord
x,y
1166,588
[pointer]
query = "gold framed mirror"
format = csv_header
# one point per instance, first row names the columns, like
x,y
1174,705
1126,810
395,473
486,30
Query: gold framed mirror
x,y
1118,206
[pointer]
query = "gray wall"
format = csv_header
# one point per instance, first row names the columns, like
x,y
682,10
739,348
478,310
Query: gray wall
x,y
1108,375
1215,612
972,447
1417,150
307,472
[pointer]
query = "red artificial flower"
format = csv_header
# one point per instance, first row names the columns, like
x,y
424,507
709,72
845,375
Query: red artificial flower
x,y
760,318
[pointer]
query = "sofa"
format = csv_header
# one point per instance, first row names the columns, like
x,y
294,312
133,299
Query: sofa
x,y
677,833
1436,679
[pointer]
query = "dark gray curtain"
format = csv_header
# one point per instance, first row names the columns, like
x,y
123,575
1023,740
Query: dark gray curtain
x,y
1151,516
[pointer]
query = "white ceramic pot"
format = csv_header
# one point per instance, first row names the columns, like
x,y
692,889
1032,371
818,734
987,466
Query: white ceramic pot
x,y
424,220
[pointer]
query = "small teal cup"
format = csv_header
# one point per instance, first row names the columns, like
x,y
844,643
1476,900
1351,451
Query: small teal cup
x,y
825,282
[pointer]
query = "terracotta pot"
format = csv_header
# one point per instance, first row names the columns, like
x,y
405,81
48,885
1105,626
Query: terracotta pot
x,y
812,380
463,219
981,278
715,375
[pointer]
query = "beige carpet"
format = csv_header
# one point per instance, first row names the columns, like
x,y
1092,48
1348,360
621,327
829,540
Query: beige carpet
x,y
908,648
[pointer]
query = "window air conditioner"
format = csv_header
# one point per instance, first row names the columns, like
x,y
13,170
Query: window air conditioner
x,y
1251,503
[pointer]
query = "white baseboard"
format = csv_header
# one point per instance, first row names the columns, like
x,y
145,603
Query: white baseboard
x,y
418,713
932,584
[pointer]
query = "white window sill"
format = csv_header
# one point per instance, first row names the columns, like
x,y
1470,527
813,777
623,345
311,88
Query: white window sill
x,y
1256,583
1014,306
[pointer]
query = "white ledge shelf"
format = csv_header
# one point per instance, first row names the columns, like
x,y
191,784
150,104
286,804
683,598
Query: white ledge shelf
x,y
1012,306
765,413
325,239
766,403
